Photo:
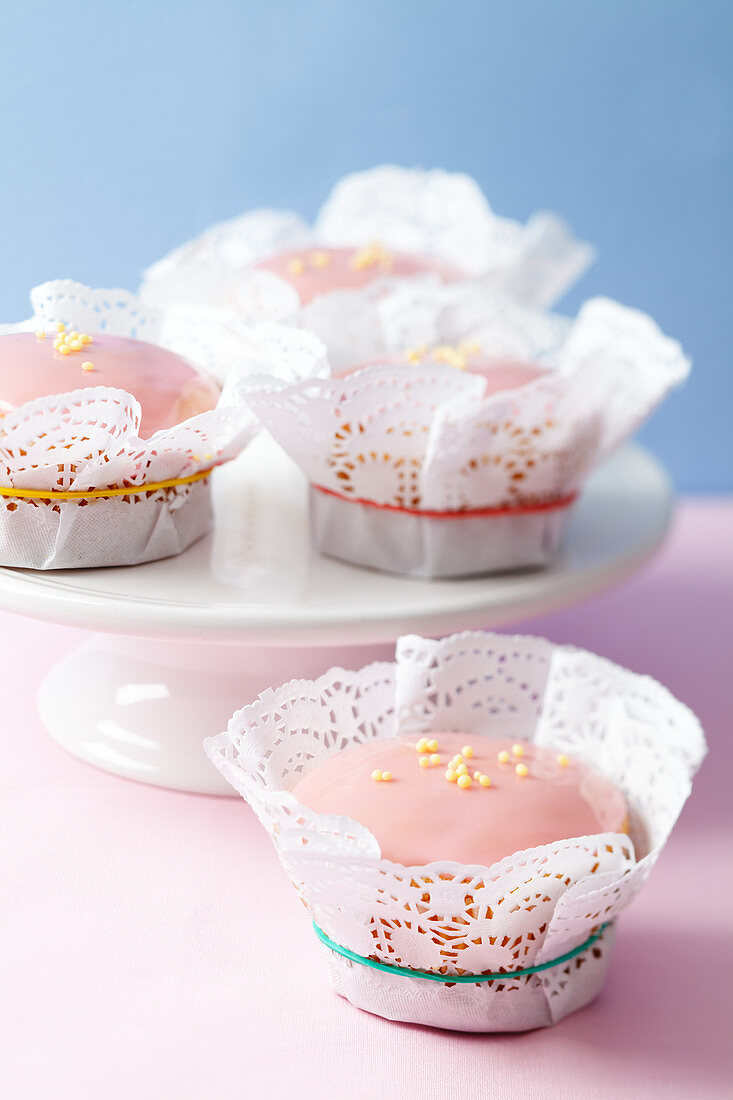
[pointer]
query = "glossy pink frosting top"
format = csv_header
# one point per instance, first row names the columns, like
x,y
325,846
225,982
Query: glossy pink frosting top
x,y
168,388
504,374
500,374
419,817
314,271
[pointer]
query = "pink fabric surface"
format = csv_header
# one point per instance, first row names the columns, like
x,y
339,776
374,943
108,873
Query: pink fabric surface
x,y
152,947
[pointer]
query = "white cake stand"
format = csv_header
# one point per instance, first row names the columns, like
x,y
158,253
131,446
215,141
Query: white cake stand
x,y
181,644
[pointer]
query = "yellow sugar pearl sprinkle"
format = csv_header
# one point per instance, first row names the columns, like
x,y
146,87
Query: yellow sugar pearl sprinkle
x,y
518,750
61,327
477,775
432,745
424,761
87,365
386,777
296,267
377,775
434,760
444,353
85,338
458,758
73,335
522,770
484,780
75,345
450,775
464,782
320,259
563,760
40,335
421,745
375,253
414,355
64,349
503,757
467,751
461,770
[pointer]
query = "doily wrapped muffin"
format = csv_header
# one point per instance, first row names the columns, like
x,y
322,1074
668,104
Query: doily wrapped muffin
x,y
376,228
112,421
465,457
501,944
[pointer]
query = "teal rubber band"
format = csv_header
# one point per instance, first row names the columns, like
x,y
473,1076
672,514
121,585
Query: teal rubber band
x,y
457,979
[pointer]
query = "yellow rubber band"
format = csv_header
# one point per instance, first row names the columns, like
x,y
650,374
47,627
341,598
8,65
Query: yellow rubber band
x,y
88,494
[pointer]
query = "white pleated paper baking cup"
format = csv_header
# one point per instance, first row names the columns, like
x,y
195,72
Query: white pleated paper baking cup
x,y
458,544
103,531
509,1003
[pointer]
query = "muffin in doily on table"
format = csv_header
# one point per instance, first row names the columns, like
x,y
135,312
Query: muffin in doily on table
x,y
465,825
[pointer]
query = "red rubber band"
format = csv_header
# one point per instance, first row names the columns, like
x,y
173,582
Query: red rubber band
x,y
469,513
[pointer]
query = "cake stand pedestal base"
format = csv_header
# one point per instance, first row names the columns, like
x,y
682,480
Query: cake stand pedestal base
x,y
141,708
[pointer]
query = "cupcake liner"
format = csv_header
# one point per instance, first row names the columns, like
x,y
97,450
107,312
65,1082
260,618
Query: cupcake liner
x,y
104,531
458,545
529,909
421,441
95,430
435,214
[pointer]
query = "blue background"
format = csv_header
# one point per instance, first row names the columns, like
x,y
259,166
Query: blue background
x,y
126,128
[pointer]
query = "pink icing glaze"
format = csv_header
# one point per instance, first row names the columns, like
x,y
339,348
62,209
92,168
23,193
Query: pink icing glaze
x,y
505,374
419,817
340,274
500,374
168,388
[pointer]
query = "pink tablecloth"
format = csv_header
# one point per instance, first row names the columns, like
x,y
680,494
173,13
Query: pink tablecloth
x,y
151,946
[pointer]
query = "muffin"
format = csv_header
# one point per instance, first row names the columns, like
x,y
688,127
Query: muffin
x,y
377,228
464,454
478,891
110,428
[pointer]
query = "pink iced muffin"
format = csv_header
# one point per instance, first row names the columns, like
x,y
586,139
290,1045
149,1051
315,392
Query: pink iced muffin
x,y
473,800
314,271
169,389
